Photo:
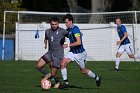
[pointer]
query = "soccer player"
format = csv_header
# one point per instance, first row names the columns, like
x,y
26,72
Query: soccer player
x,y
124,43
54,38
77,52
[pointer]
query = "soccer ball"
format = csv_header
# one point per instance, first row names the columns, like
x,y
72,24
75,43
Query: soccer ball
x,y
46,84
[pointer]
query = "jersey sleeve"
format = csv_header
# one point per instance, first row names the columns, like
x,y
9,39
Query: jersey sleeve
x,y
76,31
65,32
123,29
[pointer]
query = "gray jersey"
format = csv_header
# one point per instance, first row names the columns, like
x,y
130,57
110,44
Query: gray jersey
x,y
55,40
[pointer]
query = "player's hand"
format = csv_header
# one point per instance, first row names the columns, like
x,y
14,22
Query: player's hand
x,y
119,42
65,45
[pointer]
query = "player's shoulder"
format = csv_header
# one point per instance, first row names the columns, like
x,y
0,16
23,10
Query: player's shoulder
x,y
75,27
122,26
48,31
60,28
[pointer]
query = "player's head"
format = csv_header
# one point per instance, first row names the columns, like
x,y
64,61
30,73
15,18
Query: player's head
x,y
54,22
68,19
118,21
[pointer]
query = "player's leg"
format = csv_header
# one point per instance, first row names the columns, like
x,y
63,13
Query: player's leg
x,y
134,56
64,63
45,59
91,74
54,75
80,59
55,66
130,53
66,60
40,66
120,51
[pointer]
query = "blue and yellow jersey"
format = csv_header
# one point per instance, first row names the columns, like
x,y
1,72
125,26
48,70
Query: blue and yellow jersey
x,y
73,33
121,30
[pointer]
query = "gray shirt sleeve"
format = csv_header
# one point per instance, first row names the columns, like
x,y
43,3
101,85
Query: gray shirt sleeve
x,y
65,32
46,34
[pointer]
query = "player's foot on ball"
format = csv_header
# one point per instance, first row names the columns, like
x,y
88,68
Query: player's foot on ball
x,y
64,86
46,77
98,82
57,85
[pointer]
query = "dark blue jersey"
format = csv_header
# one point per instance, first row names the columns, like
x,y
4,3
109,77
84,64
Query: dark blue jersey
x,y
121,30
73,33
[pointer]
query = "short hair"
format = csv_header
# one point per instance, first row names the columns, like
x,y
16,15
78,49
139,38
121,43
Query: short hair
x,y
118,18
69,17
55,19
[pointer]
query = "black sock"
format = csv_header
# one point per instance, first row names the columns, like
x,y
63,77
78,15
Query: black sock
x,y
66,81
43,70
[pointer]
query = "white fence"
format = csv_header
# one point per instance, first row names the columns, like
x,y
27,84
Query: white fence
x,y
99,41
99,36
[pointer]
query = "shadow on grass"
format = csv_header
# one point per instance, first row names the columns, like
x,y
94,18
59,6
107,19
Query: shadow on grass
x,y
118,69
72,87
77,87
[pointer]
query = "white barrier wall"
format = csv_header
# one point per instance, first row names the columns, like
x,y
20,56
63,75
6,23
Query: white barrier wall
x,y
100,43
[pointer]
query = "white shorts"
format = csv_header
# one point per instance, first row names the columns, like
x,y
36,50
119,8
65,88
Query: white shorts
x,y
79,58
123,48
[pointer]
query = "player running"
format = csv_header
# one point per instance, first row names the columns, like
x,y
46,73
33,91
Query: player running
x,y
124,43
77,52
54,38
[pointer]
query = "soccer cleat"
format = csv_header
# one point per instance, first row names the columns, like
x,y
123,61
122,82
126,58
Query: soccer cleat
x,y
116,69
98,82
64,86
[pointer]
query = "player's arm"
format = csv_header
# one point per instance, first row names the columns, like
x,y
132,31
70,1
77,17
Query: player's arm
x,y
77,35
46,39
124,37
46,43
78,41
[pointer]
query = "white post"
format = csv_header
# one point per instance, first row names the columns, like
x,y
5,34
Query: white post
x,y
136,21
3,43
135,35
113,39
16,39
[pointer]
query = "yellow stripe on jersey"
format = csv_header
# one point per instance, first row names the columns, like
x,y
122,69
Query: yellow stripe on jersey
x,y
77,34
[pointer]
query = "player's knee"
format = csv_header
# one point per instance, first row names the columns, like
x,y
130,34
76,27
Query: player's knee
x,y
118,55
63,63
38,66
84,71
131,56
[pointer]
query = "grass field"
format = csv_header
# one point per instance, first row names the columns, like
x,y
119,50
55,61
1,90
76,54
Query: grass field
x,y
22,77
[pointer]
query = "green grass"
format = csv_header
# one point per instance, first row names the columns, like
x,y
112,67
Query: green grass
x,y
22,77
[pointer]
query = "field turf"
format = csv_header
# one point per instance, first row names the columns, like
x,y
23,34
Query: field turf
x,y
22,77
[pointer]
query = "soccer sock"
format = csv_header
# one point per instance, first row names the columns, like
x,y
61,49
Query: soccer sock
x,y
64,75
43,71
93,75
117,63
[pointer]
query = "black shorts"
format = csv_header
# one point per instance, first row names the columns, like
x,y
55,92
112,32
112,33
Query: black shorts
x,y
48,57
